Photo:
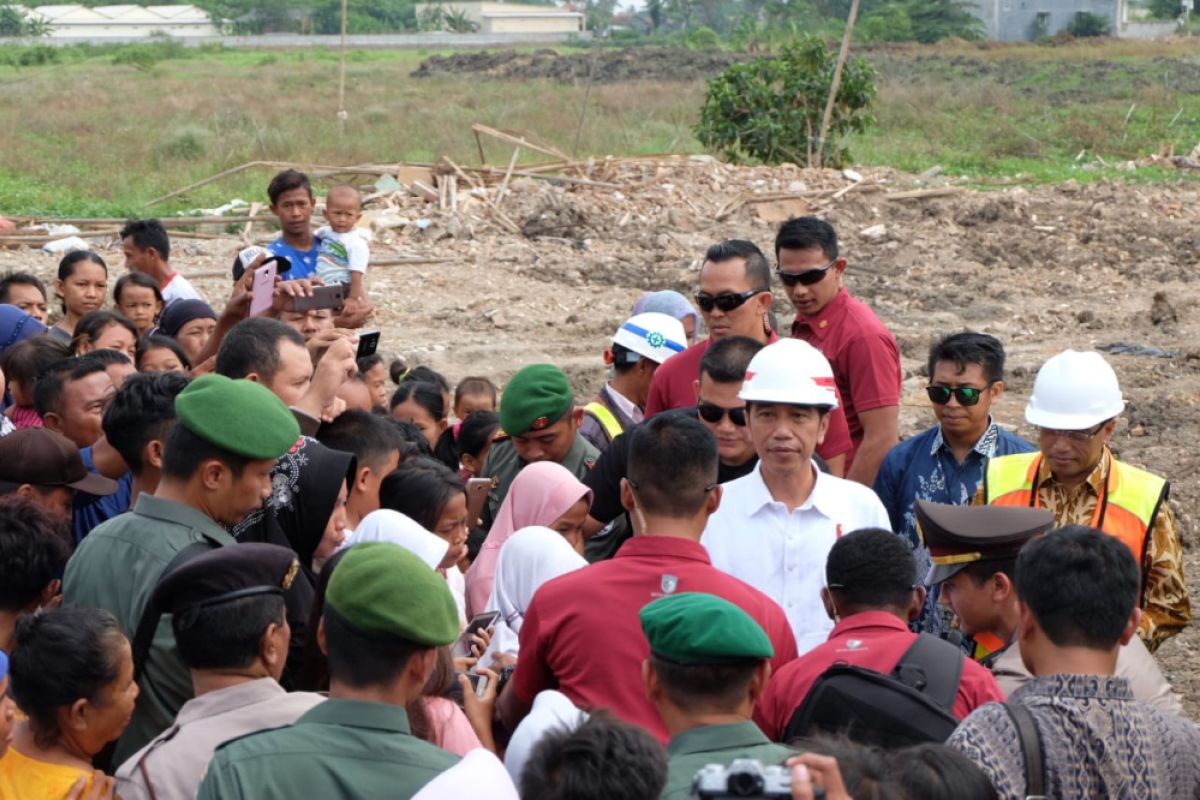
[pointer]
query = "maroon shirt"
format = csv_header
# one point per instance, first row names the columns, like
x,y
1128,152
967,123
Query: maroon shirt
x,y
874,640
582,636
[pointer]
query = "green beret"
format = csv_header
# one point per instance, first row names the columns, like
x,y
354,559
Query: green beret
x,y
380,588
240,416
537,397
697,628
225,574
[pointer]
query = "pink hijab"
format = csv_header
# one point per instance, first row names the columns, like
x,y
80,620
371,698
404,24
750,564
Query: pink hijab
x,y
540,494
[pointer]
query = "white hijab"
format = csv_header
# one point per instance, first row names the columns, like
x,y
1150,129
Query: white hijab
x,y
478,770
529,558
386,525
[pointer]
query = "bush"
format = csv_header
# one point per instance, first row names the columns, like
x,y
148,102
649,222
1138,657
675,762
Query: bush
x,y
1165,9
889,23
769,110
187,144
1088,24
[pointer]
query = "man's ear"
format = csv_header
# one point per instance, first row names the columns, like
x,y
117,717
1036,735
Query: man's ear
x,y
53,421
714,499
627,500
996,390
152,453
758,684
696,389
827,601
360,479
254,376
1002,587
764,300
1131,628
321,637
650,682
576,418
916,602
211,473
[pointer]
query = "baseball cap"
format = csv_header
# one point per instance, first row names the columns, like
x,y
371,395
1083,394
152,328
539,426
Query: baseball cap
x,y
42,457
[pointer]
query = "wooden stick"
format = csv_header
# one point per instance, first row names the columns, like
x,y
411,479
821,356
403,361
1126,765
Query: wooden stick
x,y
521,142
167,222
512,162
921,194
837,81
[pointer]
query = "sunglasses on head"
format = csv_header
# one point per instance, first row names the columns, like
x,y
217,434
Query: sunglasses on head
x,y
725,302
806,278
713,413
966,395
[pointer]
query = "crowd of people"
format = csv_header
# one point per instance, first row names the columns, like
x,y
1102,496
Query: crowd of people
x,y
243,555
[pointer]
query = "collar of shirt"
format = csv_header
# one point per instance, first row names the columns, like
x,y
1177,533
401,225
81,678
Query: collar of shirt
x,y
826,319
1095,481
358,714
1078,687
759,496
713,738
230,698
858,623
663,547
623,403
177,513
986,446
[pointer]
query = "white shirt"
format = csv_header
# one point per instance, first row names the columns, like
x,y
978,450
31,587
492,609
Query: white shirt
x,y
178,288
782,554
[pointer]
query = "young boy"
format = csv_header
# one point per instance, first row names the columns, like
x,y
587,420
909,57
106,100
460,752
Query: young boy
x,y
344,253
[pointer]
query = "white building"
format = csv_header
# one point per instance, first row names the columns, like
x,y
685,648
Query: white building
x,y
500,17
125,21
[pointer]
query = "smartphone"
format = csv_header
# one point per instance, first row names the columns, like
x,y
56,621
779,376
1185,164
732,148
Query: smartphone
x,y
263,291
477,494
479,683
368,343
479,622
322,297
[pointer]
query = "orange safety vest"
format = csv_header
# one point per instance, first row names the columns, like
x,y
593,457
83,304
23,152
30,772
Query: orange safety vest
x,y
1125,509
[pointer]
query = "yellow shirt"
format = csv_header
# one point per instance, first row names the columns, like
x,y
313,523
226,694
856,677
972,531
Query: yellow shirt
x,y
25,778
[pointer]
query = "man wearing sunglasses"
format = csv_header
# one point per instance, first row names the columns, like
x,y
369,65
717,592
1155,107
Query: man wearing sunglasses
x,y
863,352
945,463
1075,404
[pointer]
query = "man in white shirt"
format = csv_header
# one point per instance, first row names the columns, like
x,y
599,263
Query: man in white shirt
x,y
775,526
148,249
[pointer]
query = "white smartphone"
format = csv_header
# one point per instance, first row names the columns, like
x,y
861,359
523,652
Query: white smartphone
x,y
264,289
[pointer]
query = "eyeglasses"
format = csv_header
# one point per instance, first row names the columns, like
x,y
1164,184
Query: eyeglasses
x,y
966,395
713,413
1050,434
725,302
806,278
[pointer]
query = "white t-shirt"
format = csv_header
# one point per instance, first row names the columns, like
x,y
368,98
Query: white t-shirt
x,y
341,254
782,554
177,287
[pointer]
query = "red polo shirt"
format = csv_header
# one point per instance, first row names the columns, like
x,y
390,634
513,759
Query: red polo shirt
x,y
863,353
872,639
581,634
673,386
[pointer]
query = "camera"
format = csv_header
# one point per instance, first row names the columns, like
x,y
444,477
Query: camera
x,y
744,777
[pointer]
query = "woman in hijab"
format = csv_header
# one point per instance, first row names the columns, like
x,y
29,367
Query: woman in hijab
x,y
544,493
530,558
15,327
672,304
386,525
189,322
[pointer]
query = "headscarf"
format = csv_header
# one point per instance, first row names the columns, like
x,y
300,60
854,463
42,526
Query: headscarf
x,y
16,326
386,525
667,302
529,559
540,494
179,313
477,769
551,711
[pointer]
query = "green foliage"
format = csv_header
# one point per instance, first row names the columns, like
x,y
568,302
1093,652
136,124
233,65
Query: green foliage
x,y
145,56
934,20
187,143
1088,24
365,16
769,110
15,24
699,38
1165,9
889,23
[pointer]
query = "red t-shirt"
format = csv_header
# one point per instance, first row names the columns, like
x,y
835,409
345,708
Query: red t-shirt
x,y
874,640
582,636
862,352
673,386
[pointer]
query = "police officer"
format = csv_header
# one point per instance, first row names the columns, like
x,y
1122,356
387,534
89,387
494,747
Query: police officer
x,y
386,613
227,614
708,665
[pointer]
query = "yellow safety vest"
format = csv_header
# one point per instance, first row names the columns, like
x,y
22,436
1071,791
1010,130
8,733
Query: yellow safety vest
x,y
607,419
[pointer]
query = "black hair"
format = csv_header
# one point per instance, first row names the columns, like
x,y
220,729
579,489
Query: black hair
x,y
367,363
253,346
807,233
672,464
399,372
226,635
60,656
33,551
368,436
872,568
709,688
20,278
94,323
142,409
934,771
48,391
599,759
428,396
414,443
147,233
866,769
1080,584
969,347
476,432
420,488
184,453
110,357
475,385
156,341
758,269
726,360
623,359
139,279
27,361
286,181
66,267
359,659
980,572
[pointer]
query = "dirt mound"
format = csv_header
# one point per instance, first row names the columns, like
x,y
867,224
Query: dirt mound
x,y
611,66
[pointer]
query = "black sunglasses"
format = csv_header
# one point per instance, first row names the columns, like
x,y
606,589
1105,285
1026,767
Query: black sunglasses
x,y
725,302
713,413
966,395
806,278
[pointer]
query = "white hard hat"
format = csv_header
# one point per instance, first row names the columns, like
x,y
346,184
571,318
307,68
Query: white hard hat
x,y
790,371
1073,392
653,335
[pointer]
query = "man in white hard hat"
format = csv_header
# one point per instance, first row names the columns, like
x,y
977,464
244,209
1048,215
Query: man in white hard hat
x,y
775,526
1075,402
639,346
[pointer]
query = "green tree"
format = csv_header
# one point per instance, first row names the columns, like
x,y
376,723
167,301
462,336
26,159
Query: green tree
x,y
769,110
1165,9
1088,24
14,23
889,23
934,20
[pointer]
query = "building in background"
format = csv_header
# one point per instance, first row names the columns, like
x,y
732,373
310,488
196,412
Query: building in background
x,y
124,22
510,18
1029,20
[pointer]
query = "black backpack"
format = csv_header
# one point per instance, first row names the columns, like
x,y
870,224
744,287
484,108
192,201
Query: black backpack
x,y
910,706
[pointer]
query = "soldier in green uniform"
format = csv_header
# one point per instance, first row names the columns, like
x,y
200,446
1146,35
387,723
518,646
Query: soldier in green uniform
x,y
708,665
386,613
538,413
216,469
